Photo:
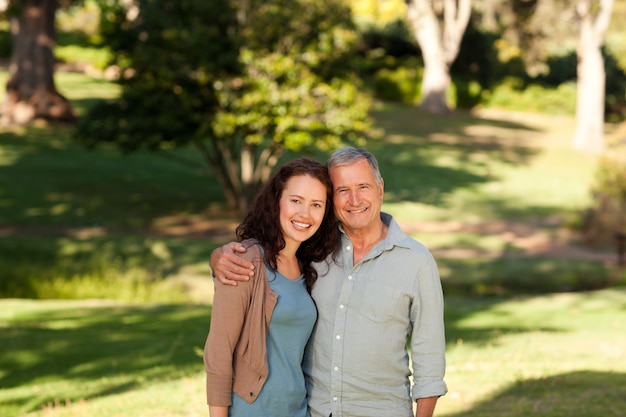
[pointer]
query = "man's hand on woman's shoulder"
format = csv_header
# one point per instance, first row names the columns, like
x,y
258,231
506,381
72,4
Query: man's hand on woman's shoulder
x,y
227,267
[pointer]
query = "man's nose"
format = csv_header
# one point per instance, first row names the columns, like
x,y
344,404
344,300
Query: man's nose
x,y
353,198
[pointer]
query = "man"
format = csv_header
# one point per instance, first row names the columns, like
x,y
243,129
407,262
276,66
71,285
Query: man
x,y
382,290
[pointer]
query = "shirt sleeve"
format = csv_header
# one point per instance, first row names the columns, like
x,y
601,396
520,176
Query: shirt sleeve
x,y
428,342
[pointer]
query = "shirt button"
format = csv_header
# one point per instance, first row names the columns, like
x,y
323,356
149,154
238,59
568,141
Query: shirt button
x,y
350,277
338,337
334,398
348,247
341,306
336,368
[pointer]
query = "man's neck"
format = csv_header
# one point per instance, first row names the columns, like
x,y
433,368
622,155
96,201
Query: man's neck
x,y
364,240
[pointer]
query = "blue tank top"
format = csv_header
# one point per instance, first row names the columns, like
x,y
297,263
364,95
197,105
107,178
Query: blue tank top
x,y
284,392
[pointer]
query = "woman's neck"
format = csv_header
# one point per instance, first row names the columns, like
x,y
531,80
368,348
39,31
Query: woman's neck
x,y
287,262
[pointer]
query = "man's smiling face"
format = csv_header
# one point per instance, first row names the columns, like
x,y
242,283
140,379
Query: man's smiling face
x,y
357,197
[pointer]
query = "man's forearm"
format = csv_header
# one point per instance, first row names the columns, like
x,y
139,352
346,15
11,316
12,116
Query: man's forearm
x,y
425,407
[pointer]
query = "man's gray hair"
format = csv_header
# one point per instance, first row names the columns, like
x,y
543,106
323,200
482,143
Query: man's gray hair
x,y
349,155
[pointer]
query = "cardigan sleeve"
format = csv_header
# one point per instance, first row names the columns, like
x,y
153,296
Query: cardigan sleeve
x,y
230,306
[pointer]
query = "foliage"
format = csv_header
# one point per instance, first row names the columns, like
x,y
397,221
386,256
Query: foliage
x,y
615,99
241,88
377,12
604,221
515,94
394,39
79,16
400,84
5,43
481,59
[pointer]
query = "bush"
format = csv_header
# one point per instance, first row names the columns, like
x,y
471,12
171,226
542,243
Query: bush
x,y
401,84
515,94
5,43
395,39
605,219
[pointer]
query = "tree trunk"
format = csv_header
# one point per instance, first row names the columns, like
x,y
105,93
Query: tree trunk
x,y
31,92
439,34
589,133
239,170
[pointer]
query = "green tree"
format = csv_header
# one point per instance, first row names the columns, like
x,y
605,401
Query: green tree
x,y
30,89
241,81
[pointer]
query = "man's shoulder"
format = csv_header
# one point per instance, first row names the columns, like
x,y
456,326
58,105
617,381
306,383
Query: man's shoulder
x,y
416,247
403,242
400,238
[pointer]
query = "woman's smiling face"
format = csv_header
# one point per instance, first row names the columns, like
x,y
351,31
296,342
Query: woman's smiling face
x,y
302,207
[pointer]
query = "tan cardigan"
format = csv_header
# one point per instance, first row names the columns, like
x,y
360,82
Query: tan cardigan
x,y
235,353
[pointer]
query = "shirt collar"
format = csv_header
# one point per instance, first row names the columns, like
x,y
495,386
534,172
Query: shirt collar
x,y
395,235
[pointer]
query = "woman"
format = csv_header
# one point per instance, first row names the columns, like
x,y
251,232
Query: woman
x,y
259,328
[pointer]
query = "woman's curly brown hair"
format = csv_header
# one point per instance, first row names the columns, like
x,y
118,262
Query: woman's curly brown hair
x,y
262,222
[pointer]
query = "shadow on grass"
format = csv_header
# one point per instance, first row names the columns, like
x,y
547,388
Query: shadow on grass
x,y
31,264
414,140
580,394
108,349
54,181
459,308
46,179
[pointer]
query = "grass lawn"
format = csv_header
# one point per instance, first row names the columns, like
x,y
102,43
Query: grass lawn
x,y
552,355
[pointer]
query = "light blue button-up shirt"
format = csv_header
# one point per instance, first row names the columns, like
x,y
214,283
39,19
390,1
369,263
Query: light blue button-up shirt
x,y
356,363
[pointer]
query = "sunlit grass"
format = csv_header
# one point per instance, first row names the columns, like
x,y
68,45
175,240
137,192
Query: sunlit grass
x,y
536,354
491,166
506,357
100,358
